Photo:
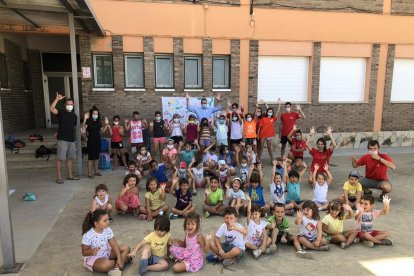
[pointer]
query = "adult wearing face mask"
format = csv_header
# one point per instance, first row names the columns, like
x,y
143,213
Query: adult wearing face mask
x,y
204,111
65,137
93,126
266,132
288,120
376,165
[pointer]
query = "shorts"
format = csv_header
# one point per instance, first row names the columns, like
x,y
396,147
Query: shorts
x,y
227,247
235,141
309,239
204,143
373,233
177,139
256,242
220,142
284,140
154,260
352,198
279,236
66,150
117,145
90,260
161,140
371,183
251,141
198,183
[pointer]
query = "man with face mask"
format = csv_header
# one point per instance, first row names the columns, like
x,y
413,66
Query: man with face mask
x,y
376,165
65,137
288,120
204,111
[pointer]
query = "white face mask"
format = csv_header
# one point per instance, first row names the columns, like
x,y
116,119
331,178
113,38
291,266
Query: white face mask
x,y
249,119
269,114
170,146
234,119
176,120
116,123
69,107
244,164
94,116
373,152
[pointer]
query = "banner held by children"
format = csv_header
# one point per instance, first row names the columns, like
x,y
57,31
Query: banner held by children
x,y
173,105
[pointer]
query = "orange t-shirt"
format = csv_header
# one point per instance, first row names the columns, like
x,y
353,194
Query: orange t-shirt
x,y
267,127
250,129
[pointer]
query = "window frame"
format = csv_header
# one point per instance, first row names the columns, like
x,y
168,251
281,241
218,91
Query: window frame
x,y
3,56
140,55
171,57
95,84
199,59
225,57
395,97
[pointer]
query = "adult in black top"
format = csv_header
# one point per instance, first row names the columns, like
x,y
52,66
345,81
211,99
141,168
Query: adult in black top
x,y
93,126
158,128
66,136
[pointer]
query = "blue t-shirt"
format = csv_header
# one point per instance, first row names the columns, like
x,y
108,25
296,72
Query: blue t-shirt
x,y
281,171
293,192
187,156
160,173
256,195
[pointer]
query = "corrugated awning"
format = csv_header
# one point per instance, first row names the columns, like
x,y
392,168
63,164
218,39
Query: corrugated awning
x,y
35,15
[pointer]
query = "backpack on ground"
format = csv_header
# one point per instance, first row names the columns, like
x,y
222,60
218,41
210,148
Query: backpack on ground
x,y
14,144
35,137
44,151
104,145
104,162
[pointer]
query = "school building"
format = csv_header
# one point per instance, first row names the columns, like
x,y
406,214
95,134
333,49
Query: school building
x,y
350,64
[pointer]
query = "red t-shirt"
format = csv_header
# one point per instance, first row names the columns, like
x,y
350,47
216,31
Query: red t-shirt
x,y
374,169
288,120
267,127
301,144
320,158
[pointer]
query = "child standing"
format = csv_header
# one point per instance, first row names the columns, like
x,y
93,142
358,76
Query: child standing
x,y
154,200
102,200
189,253
288,120
236,135
117,133
136,126
159,128
169,153
256,238
213,199
232,249
365,215
99,248
184,205
235,195
250,131
191,130
333,224
204,134
278,222
222,130
320,187
176,129
128,198
196,174
154,247
352,190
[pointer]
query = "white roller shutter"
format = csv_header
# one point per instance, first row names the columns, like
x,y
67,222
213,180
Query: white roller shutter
x,y
403,81
342,79
283,77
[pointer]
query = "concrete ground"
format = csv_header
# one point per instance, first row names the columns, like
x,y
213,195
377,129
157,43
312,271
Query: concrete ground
x,y
58,228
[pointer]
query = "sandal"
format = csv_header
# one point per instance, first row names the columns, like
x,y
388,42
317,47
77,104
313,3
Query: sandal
x,y
72,178
142,217
59,181
91,177
98,174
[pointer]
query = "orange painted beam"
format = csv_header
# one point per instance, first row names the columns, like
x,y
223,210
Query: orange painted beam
x,y
30,29
379,99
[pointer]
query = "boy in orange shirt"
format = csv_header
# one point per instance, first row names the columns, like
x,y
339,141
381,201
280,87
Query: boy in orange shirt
x,y
250,131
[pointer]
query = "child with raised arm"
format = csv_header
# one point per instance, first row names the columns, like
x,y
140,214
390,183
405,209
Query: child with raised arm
x,y
256,238
154,247
213,198
352,190
196,174
136,125
333,224
232,248
365,216
277,191
184,205
187,154
189,254
222,127
154,200
102,200
297,144
143,159
293,179
235,194
288,120
128,197
320,186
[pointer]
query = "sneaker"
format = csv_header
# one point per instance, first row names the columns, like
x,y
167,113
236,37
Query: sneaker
x,y
344,245
194,192
173,216
386,242
143,266
283,240
115,272
273,248
257,253
304,254
324,248
356,240
206,214
161,213
228,262
368,243
267,251
211,258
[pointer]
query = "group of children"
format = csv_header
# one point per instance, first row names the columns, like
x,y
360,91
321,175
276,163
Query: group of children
x,y
189,160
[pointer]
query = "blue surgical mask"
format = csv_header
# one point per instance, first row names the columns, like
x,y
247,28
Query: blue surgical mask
x,y
222,121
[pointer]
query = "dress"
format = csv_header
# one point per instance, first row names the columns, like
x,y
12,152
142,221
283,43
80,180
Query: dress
x,y
191,255
130,199
93,130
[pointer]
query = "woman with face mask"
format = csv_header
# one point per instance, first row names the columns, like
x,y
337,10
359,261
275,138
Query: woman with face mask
x,y
93,126
266,131
321,154
158,127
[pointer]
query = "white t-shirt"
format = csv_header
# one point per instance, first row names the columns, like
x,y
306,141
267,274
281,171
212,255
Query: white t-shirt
x,y
198,174
320,193
94,240
136,172
102,203
208,156
255,231
233,237
278,192
143,158
176,131
236,195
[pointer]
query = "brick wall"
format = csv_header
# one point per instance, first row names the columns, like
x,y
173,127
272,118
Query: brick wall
x,y
402,7
85,61
118,63
207,64
35,64
253,72
330,5
17,105
395,113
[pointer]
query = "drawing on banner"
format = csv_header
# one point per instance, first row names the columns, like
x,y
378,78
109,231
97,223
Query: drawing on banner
x,y
173,105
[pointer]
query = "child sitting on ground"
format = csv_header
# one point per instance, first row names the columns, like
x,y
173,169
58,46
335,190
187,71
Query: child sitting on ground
x,y
320,186
169,153
183,173
188,254
158,171
210,157
154,200
333,224
365,215
132,169
213,199
278,226
102,200
144,158
184,205
232,249
352,190
196,174
256,238
223,174
128,197
293,186
100,250
154,247
244,171
235,195
187,154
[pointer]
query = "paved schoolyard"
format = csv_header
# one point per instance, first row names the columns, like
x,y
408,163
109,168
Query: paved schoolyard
x,y
60,251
